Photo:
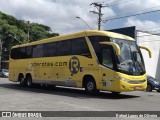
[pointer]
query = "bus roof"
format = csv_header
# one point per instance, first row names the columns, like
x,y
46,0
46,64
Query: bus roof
x,y
76,35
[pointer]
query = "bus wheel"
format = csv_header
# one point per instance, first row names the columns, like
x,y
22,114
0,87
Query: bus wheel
x,y
22,80
90,87
29,81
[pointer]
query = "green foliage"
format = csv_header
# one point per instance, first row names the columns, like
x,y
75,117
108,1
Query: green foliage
x,y
13,32
38,32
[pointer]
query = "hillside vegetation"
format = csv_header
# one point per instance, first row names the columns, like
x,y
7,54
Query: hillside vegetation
x,y
14,31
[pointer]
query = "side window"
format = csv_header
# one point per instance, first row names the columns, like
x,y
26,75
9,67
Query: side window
x,y
107,58
14,53
96,46
50,49
18,53
96,39
64,48
80,47
37,51
28,52
23,52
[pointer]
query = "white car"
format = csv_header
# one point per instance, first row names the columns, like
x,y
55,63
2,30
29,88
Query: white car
x,y
4,73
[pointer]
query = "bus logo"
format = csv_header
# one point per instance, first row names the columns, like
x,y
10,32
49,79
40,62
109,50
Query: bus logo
x,y
74,65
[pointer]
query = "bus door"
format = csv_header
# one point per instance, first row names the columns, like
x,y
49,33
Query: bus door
x,y
107,62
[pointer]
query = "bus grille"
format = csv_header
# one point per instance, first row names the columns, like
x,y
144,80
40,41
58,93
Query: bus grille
x,y
136,81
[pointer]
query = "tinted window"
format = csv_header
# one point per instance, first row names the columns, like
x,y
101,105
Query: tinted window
x,y
14,53
50,49
37,51
80,47
22,53
95,41
76,46
107,58
96,46
28,53
18,53
64,48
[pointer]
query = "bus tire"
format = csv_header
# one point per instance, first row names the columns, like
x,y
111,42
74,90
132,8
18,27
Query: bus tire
x,y
90,86
29,81
21,80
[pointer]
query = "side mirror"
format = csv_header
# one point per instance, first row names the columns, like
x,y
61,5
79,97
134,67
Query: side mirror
x,y
114,45
147,49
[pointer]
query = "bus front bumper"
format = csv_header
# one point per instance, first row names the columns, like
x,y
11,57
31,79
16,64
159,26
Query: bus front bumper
x,y
124,86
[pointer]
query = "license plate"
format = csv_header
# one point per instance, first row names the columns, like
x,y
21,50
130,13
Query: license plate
x,y
137,88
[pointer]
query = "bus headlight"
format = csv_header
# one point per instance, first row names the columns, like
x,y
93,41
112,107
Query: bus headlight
x,y
125,80
121,78
131,81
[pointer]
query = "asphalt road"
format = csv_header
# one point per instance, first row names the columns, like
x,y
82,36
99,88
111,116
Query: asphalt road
x,y
16,98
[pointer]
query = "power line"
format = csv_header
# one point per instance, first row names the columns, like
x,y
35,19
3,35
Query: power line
x,y
118,3
131,15
138,11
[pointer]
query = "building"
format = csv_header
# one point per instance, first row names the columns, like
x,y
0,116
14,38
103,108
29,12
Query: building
x,y
149,40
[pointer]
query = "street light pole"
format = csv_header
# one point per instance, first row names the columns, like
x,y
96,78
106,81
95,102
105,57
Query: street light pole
x,y
28,31
84,22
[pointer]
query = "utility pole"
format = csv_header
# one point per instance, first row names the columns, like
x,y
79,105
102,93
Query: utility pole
x,y
99,6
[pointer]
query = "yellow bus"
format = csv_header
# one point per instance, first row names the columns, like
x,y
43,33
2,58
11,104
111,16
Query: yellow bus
x,y
94,60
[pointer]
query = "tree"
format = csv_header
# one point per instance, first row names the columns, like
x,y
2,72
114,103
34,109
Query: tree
x,y
13,32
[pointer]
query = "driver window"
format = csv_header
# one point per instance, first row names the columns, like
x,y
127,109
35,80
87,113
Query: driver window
x,y
107,58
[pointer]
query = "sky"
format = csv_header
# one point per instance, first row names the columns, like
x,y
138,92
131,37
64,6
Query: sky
x,y
61,15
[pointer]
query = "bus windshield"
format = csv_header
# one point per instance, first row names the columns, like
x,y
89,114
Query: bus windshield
x,y
130,60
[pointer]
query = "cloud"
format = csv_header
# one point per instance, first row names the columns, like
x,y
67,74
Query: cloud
x,y
60,15
136,5
142,24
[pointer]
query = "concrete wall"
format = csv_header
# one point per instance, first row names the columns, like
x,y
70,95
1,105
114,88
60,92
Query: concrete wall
x,y
153,42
